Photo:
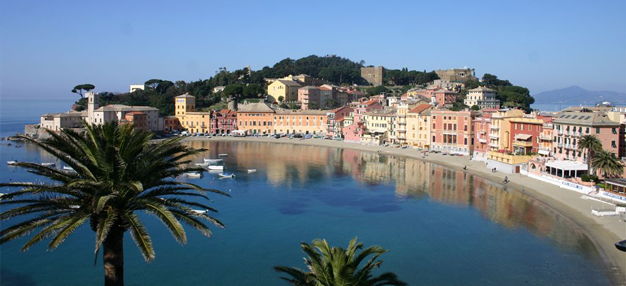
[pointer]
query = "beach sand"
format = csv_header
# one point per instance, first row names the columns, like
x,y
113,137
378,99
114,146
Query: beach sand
x,y
604,231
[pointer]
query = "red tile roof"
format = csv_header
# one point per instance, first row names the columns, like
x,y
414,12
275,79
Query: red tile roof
x,y
420,108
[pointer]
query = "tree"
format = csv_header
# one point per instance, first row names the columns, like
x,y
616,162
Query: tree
x,y
337,266
475,107
233,90
118,173
79,89
281,98
253,91
377,90
153,83
590,144
607,163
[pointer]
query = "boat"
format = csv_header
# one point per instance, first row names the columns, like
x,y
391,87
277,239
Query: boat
x,y
12,162
226,175
212,161
222,155
194,175
202,164
200,211
68,168
621,245
216,167
251,170
48,164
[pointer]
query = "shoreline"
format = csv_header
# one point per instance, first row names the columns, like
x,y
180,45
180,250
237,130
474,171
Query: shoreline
x,y
604,232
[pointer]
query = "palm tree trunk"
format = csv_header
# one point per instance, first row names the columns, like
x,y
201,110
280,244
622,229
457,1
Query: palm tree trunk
x,y
114,257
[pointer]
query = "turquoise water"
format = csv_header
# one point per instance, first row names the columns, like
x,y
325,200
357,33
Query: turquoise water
x,y
442,227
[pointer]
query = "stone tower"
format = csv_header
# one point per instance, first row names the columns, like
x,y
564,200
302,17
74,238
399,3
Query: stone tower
x,y
93,103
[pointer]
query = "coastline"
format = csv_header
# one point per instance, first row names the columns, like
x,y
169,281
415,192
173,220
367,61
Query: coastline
x,y
603,231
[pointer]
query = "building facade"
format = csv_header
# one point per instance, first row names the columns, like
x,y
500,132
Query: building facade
x,y
284,89
301,122
190,119
418,126
373,75
482,97
452,131
255,118
223,121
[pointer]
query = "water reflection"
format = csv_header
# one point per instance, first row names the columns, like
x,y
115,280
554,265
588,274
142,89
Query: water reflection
x,y
285,165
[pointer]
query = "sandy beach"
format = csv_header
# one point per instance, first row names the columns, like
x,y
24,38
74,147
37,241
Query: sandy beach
x,y
604,231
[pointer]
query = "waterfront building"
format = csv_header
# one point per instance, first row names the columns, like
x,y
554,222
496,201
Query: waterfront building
x,y
139,119
336,119
60,121
255,118
190,119
482,97
452,131
418,126
283,88
570,126
223,121
618,114
399,126
482,130
379,126
524,135
499,129
300,121
171,124
97,114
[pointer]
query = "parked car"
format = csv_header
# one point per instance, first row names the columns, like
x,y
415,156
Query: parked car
x,y
308,136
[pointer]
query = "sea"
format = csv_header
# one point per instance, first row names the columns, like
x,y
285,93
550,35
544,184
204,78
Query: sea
x,y
441,226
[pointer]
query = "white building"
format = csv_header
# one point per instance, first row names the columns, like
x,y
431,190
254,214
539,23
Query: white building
x,y
482,97
116,112
58,121
135,87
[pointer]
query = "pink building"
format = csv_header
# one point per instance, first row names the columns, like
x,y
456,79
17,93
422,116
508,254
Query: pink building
x,y
444,97
453,131
336,119
223,121
309,97
352,132
481,133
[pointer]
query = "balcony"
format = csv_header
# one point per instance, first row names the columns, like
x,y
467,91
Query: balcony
x,y
560,145
401,123
482,140
401,130
548,126
494,128
560,132
522,143
494,135
545,138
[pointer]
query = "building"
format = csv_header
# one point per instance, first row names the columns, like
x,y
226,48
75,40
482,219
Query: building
x,y
135,87
190,119
456,75
97,114
309,97
255,118
60,121
443,97
570,126
482,131
171,124
336,120
482,97
136,118
373,75
284,89
305,80
400,124
418,126
301,121
379,126
452,131
499,128
223,121
525,135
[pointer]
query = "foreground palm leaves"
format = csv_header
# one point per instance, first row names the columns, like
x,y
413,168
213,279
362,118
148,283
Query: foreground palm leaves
x,y
339,267
118,173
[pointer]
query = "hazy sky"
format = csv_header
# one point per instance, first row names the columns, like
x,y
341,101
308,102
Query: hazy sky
x,y
47,47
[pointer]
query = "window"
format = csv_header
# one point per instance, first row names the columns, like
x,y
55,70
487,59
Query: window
x,y
465,141
613,144
434,138
597,130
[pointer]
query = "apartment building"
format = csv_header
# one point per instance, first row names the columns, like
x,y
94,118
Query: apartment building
x,y
452,131
300,121
418,126
255,118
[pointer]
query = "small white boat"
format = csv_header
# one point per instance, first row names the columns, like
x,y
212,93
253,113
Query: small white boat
x,y
48,164
202,164
200,211
212,161
1,194
194,175
226,175
12,162
222,155
251,170
216,167
68,168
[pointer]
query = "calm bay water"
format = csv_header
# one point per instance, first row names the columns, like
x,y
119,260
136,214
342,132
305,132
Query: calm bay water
x,y
442,227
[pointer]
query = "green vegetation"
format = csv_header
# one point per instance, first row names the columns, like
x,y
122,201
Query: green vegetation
x,y
606,162
377,90
589,178
406,77
589,144
79,89
337,266
508,94
118,173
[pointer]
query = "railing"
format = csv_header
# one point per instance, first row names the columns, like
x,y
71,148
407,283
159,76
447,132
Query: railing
x,y
548,126
545,138
523,143
560,132
560,144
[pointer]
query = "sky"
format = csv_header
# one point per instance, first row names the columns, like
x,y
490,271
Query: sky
x,y
48,47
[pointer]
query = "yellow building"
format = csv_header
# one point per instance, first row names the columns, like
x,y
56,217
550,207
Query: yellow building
x,y
190,119
305,122
379,125
283,88
500,129
418,126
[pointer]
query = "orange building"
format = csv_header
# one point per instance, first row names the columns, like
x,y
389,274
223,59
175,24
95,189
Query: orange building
x,y
137,118
255,118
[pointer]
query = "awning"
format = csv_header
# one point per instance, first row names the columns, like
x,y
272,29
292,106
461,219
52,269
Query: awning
x,y
482,140
567,165
523,137
544,152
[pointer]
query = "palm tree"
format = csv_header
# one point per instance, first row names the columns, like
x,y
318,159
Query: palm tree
x,y
606,161
591,144
339,267
118,173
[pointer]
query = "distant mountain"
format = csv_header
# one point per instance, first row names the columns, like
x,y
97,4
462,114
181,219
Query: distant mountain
x,y
577,95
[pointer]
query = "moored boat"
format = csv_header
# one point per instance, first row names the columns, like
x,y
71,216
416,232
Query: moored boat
x,y
216,167
226,175
212,161
47,164
194,175
68,168
222,155
12,162
251,170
